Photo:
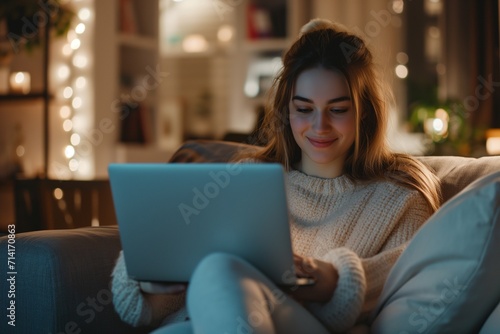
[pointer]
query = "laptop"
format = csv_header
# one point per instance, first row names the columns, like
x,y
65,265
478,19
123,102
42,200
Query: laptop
x,y
170,216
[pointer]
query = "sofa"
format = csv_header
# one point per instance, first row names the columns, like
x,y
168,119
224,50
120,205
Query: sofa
x,y
60,279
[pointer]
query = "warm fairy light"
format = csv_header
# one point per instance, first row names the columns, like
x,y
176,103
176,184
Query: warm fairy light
x,y
69,151
80,28
65,112
401,71
75,139
20,150
77,102
442,114
71,72
73,165
58,193
67,125
402,58
67,92
84,14
437,125
75,44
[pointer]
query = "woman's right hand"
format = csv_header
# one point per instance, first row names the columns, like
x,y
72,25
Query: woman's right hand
x,y
162,288
158,296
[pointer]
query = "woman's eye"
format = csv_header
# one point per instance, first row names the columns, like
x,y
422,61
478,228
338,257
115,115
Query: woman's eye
x,y
339,110
303,110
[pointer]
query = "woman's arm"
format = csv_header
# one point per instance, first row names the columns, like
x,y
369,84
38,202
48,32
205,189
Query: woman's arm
x,y
360,280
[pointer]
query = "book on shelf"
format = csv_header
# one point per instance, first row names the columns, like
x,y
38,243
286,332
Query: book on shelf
x,y
128,22
136,123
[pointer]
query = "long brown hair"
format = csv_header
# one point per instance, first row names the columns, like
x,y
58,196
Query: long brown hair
x,y
330,46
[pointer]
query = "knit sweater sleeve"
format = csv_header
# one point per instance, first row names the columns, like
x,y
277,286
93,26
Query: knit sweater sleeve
x,y
361,279
132,305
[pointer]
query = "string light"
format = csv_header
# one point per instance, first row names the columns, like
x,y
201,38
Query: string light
x,y
77,102
67,125
75,44
71,74
69,151
84,14
65,112
80,28
68,92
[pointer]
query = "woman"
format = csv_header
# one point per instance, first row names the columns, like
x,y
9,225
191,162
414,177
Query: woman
x,y
354,204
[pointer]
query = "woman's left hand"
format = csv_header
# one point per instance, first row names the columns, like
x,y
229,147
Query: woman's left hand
x,y
325,275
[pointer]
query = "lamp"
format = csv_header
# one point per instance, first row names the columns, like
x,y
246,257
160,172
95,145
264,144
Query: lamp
x,y
493,141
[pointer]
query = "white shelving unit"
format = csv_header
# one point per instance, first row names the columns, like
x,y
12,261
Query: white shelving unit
x,y
126,58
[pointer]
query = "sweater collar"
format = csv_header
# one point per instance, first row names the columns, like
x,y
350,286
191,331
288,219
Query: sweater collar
x,y
320,185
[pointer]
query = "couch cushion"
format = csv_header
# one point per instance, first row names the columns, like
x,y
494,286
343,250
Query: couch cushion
x,y
446,281
62,281
454,172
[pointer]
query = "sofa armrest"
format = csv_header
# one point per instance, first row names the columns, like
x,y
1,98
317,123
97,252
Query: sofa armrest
x,y
456,172
62,281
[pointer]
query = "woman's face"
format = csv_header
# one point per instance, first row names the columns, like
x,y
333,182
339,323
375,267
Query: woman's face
x,y
323,121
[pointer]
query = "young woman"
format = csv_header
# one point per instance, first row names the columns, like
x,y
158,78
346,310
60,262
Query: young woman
x,y
354,205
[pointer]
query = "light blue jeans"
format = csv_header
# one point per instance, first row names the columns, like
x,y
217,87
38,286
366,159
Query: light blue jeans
x,y
227,295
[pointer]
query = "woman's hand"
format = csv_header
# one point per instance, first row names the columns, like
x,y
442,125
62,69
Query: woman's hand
x,y
158,296
324,273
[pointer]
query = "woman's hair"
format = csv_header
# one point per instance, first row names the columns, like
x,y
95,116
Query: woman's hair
x,y
331,46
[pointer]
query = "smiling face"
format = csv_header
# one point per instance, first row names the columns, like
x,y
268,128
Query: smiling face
x,y
323,121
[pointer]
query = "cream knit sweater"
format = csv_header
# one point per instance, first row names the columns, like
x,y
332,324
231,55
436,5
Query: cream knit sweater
x,y
360,228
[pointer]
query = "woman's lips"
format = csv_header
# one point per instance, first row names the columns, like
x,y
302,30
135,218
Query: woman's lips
x,y
320,143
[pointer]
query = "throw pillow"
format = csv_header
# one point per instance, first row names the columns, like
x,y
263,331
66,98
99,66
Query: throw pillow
x,y
492,325
446,281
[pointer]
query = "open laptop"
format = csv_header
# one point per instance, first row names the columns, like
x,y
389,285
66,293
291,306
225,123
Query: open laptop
x,y
170,216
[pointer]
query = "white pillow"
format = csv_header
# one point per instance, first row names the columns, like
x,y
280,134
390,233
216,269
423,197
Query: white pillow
x,y
448,278
492,325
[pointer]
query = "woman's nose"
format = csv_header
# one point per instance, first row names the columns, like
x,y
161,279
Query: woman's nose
x,y
322,122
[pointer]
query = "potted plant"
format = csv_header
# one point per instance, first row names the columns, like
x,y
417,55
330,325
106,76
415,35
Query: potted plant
x,y
24,22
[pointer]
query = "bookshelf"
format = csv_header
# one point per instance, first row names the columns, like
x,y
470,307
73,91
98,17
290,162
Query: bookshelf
x,y
137,34
40,94
137,40
219,69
